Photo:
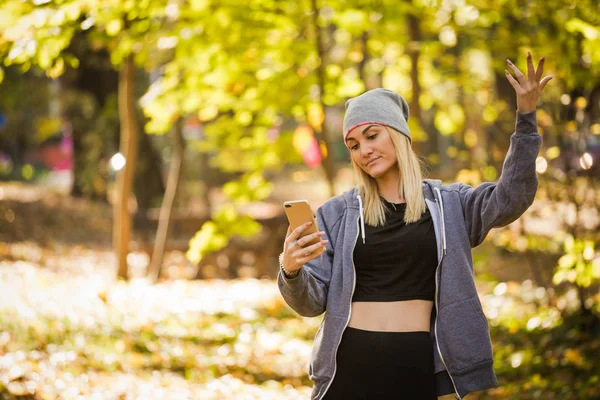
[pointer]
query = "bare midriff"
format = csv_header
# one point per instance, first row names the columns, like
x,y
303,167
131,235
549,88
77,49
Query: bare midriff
x,y
393,316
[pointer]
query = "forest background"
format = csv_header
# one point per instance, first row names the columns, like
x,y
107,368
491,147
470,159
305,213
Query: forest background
x,y
146,147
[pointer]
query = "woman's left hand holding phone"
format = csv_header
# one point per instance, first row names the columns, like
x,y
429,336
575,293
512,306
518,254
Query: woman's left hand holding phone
x,y
295,255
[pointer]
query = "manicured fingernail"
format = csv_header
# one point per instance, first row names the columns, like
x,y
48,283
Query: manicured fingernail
x,y
508,61
506,72
528,55
309,223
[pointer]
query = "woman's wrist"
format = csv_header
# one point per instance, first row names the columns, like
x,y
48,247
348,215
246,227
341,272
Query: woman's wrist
x,y
526,112
287,273
291,275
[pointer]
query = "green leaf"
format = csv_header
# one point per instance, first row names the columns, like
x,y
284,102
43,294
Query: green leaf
x,y
559,277
444,123
569,243
589,31
567,261
114,27
596,268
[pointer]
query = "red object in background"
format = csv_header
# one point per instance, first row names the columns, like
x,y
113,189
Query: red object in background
x,y
65,160
312,154
307,145
54,155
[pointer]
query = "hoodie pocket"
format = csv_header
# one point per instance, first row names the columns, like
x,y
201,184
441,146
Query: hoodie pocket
x,y
463,333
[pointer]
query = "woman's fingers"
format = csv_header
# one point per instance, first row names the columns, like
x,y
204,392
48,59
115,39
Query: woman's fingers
x,y
545,81
308,238
307,251
534,75
301,250
530,69
306,257
295,235
520,77
540,70
513,82
527,88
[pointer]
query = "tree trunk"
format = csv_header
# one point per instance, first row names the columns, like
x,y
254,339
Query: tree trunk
x,y
164,219
321,134
148,183
128,148
204,173
370,82
414,52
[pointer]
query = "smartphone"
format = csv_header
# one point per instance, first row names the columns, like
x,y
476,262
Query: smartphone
x,y
299,212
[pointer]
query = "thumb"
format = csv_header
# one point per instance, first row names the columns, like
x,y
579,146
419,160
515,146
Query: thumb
x,y
545,81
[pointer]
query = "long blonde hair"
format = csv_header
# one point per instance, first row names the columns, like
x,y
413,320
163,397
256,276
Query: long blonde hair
x,y
411,169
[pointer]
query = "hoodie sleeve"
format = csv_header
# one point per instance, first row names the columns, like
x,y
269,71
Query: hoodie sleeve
x,y
306,293
492,205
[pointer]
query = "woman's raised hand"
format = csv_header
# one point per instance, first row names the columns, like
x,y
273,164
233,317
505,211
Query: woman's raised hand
x,y
295,255
528,88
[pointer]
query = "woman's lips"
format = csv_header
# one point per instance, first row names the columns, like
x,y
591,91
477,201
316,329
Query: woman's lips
x,y
372,161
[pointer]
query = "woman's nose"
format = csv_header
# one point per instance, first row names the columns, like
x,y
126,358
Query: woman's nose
x,y
366,150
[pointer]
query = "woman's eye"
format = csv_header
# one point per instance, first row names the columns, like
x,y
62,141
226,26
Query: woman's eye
x,y
354,147
372,137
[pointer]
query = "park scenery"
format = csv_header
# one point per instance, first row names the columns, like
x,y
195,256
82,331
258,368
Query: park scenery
x,y
147,147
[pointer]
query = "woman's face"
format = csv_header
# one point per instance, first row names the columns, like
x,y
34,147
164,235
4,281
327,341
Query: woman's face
x,y
372,149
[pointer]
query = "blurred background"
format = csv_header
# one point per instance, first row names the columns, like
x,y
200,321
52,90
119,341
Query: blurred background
x,y
146,147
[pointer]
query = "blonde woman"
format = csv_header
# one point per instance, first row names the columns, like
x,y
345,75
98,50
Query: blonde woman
x,y
393,271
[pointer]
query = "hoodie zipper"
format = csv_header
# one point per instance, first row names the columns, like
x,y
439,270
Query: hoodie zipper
x,y
349,313
442,228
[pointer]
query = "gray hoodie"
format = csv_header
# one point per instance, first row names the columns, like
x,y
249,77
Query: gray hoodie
x,y
462,217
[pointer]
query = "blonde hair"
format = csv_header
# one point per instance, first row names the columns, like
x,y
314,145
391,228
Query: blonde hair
x,y
411,169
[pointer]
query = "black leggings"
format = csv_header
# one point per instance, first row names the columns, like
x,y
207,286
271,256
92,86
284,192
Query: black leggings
x,y
383,365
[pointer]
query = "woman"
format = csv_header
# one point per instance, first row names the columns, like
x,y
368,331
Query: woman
x,y
393,271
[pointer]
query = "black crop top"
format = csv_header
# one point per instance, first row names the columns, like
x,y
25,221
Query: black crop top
x,y
398,261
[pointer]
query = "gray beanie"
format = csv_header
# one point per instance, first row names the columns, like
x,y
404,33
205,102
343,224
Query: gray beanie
x,y
377,106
